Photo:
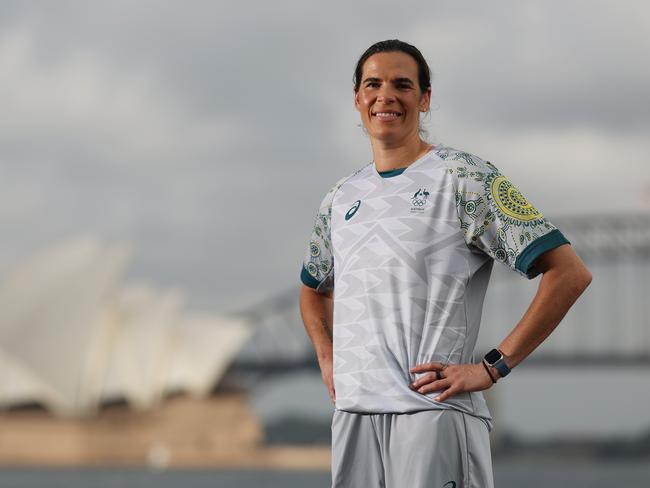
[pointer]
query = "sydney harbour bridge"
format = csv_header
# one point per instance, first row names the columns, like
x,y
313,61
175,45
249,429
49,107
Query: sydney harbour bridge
x,y
610,323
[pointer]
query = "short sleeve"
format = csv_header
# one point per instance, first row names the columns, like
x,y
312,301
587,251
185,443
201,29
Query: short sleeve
x,y
318,264
496,218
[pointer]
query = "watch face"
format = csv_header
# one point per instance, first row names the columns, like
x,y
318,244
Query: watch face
x,y
493,356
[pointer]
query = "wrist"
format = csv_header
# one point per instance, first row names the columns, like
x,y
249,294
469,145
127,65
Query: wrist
x,y
510,359
495,373
489,372
497,363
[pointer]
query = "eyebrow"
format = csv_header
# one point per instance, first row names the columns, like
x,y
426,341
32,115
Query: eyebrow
x,y
371,79
397,80
404,80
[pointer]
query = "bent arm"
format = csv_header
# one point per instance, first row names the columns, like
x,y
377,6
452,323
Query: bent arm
x,y
564,279
316,310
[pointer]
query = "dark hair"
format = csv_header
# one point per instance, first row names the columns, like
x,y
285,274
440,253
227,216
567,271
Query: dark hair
x,y
424,73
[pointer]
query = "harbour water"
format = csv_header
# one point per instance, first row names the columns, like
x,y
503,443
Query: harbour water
x,y
507,475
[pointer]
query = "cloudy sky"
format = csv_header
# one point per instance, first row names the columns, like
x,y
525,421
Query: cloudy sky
x,y
206,133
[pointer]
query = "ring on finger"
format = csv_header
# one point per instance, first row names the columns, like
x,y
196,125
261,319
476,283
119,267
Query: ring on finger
x,y
439,375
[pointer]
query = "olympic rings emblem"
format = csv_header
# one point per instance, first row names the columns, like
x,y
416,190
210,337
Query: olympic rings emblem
x,y
418,203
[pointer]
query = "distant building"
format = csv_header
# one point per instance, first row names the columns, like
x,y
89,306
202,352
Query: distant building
x,y
73,336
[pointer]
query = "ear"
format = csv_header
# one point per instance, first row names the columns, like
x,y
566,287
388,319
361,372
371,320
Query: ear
x,y
356,100
425,100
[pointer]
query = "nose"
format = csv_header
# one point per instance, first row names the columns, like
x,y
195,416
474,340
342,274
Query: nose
x,y
385,95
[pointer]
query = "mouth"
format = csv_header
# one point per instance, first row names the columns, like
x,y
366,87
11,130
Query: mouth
x,y
387,115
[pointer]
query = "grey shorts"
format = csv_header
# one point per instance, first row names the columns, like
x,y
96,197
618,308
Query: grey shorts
x,y
430,448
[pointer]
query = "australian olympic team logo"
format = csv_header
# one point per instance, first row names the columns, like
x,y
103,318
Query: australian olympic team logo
x,y
420,200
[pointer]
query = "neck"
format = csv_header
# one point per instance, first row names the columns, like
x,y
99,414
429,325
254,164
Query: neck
x,y
388,156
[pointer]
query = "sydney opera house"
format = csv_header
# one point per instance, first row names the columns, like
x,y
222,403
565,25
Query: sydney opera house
x,y
98,371
101,371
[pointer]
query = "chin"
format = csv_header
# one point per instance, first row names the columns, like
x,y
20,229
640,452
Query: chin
x,y
387,135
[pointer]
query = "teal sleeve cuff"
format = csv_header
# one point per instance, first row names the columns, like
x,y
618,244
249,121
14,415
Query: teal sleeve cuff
x,y
308,279
535,249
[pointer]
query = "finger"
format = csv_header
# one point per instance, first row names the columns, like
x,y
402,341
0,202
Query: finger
x,y
446,394
437,385
423,380
432,366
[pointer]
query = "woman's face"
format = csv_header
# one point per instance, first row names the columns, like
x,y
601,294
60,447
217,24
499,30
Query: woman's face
x,y
389,98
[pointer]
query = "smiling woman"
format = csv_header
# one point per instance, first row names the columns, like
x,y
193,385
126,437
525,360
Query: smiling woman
x,y
394,278
392,86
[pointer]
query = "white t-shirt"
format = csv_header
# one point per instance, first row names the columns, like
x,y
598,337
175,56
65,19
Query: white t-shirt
x,y
408,254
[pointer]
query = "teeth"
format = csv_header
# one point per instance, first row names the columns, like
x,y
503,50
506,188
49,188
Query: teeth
x,y
387,114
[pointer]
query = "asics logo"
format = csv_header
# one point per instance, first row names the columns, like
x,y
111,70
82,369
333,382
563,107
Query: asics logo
x,y
350,213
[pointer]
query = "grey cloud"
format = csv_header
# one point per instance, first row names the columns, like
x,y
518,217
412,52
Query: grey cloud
x,y
576,65
225,206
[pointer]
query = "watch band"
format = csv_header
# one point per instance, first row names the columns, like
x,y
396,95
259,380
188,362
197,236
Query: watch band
x,y
487,368
495,359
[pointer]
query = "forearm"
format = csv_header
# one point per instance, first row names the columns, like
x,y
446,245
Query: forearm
x,y
316,311
561,285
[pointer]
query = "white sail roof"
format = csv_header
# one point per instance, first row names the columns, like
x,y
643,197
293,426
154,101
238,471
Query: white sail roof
x,y
143,325
203,348
72,336
51,317
18,386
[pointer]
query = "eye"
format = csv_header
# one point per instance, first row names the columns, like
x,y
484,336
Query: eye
x,y
372,84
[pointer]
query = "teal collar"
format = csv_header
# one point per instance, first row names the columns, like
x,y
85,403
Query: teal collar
x,y
391,172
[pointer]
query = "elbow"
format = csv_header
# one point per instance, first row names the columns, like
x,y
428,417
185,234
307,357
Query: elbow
x,y
566,269
587,278
581,280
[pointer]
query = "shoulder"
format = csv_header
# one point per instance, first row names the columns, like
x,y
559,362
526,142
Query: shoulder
x,y
358,173
465,166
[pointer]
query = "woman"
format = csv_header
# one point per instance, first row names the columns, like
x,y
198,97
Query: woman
x,y
403,249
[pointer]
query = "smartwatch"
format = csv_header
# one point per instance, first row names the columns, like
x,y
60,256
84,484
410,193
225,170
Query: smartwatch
x,y
495,359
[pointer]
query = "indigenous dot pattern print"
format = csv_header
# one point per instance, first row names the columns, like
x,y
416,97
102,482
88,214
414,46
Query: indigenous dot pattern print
x,y
494,215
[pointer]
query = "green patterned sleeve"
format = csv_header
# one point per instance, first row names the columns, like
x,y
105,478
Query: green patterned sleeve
x,y
318,264
497,219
